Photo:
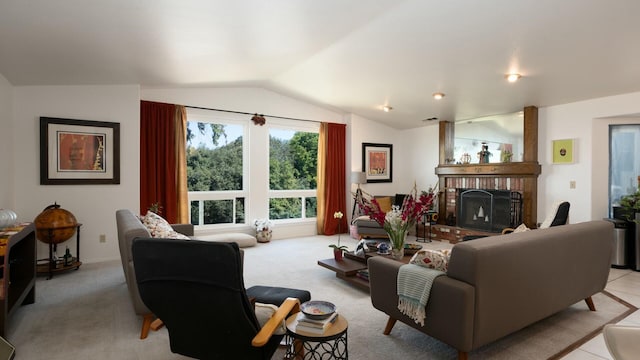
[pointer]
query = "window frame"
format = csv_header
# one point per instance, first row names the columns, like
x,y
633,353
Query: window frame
x,y
303,194
212,117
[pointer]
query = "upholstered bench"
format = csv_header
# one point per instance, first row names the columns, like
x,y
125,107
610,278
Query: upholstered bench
x,y
243,240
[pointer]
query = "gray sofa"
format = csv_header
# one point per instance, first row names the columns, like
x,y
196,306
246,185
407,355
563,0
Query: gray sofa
x,y
500,284
129,228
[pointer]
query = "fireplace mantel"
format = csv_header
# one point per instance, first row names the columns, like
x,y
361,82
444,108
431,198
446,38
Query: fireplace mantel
x,y
502,169
516,176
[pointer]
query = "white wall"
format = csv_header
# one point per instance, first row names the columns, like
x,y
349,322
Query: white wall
x,y
93,205
587,122
415,155
421,146
6,144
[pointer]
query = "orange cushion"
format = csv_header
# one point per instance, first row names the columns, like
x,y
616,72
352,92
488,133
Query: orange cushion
x,y
385,203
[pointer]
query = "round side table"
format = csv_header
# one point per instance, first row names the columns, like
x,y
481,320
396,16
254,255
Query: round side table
x,y
304,345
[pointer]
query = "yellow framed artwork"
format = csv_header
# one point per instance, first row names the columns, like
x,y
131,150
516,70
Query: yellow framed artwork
x,y
563,151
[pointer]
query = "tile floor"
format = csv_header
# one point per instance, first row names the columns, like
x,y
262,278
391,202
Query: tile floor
x,y
624,284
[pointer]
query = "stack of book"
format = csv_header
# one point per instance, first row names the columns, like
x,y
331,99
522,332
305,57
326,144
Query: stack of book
x,y
363,274
315,326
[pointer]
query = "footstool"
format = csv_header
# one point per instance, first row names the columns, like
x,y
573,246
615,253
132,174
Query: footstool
x,y
243,240
276,295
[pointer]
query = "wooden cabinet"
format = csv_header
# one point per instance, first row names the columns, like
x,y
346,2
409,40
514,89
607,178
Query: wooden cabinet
x,y
52,264
18,274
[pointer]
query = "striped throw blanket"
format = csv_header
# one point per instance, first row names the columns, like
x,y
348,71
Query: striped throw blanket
x,y
414,287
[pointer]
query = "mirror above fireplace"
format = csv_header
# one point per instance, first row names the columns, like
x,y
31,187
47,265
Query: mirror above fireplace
x,y
502,134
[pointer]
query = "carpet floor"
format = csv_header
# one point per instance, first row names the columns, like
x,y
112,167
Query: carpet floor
x,y
87,314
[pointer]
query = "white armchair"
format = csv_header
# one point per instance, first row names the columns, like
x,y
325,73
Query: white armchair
x,y
623,342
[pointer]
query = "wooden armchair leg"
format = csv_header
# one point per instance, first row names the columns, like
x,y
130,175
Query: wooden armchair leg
x,y
590,304
390,323
463,355
156,325
146,324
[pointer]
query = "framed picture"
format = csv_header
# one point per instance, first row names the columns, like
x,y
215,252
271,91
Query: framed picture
x,y
377,162
74,152
563,151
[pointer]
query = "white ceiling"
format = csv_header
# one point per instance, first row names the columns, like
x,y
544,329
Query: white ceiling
x,y
353,56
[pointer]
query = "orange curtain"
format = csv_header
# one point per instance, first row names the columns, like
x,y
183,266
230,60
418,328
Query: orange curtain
x,y
331,178
322,178
180,139
158,158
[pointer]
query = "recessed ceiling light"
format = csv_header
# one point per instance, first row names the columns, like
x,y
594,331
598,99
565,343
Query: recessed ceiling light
x,y
513,77
438,95
387,108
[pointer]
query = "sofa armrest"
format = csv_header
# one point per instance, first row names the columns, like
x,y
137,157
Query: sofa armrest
x,y
450,311
184,229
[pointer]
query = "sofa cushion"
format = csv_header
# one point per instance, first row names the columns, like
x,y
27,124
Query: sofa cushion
x,y
159,227
264,312
432,259
399,199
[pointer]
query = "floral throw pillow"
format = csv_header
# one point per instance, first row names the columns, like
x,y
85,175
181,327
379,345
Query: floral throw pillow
x,y
521,228
160,228
433,259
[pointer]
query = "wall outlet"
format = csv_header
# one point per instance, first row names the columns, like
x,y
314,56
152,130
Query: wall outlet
x,y
103,238
572,184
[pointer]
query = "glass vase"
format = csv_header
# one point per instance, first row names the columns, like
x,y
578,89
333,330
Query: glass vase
x,y
397,239
263,236
397,254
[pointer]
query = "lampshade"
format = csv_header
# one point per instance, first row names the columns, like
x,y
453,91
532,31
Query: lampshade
x,y
358,177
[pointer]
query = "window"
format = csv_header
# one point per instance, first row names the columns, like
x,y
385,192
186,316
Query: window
x,y
215,168
624,163
293,158
237,172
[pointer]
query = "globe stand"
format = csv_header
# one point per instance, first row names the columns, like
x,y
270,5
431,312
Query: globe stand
x,y
52,265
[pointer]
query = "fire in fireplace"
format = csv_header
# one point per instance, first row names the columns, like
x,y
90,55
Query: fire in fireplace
x,y
489,210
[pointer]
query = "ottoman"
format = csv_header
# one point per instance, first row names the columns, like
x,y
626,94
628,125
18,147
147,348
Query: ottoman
x,y
276,295
243,240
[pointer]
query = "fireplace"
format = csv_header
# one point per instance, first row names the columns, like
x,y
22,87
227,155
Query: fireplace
x,y
489,210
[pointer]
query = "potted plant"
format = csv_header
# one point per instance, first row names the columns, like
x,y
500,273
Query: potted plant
x,y
338,249
263,229
630,204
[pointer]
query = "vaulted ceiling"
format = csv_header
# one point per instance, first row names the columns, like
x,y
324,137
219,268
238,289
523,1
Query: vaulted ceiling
x,y
352,56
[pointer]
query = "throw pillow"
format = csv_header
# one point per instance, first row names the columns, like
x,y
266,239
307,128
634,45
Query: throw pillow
x,y
433,259
159,227
385,203
521,228
264,312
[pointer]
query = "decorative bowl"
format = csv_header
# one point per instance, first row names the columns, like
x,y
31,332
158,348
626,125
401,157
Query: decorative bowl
x,y
410,249
317,310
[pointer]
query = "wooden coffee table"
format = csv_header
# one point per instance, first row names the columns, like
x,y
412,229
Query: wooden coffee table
x,y
348,267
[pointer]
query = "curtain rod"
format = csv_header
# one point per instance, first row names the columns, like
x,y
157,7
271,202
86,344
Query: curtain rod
x,y
246,113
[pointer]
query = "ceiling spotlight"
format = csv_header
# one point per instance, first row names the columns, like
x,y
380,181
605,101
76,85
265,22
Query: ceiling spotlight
x,y
387,108
512,77
438,95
